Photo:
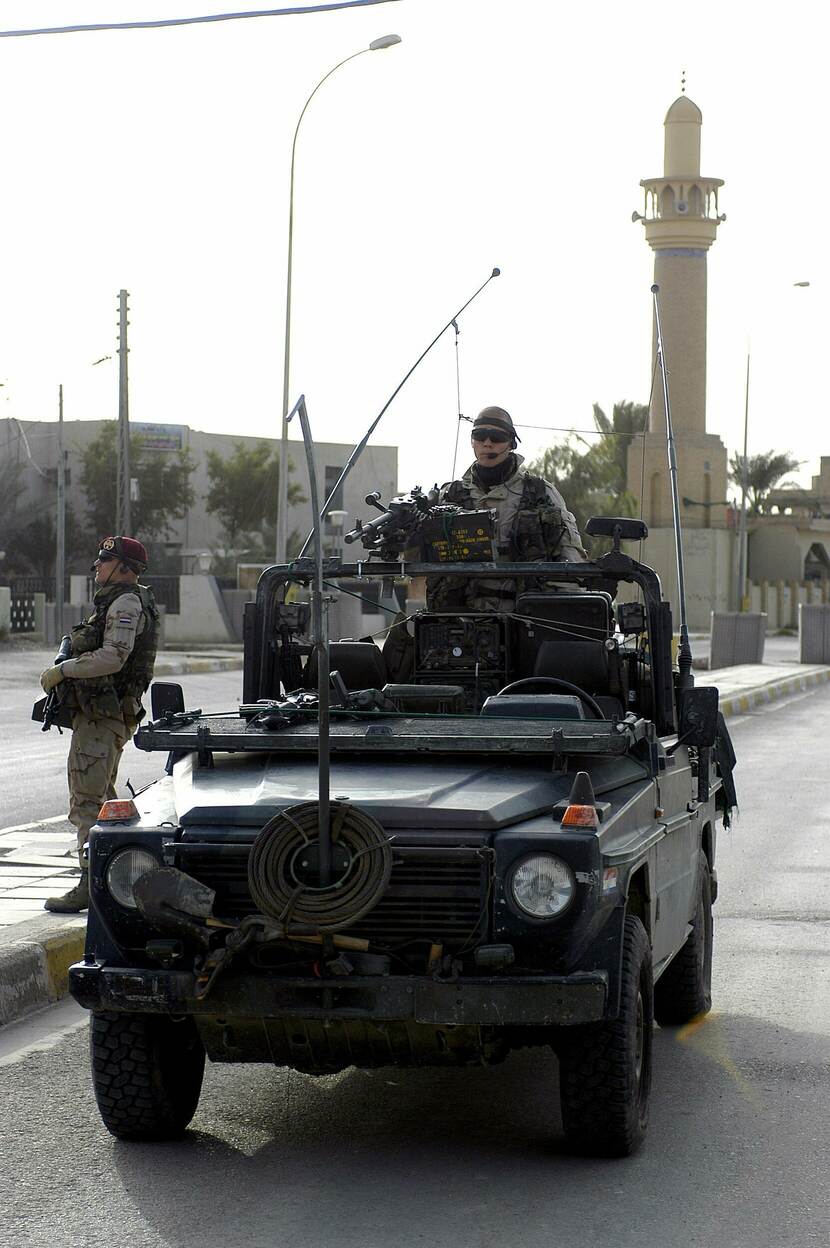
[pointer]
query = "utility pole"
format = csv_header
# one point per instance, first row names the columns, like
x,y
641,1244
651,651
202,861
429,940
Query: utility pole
x,y
60,556
123,521
742,541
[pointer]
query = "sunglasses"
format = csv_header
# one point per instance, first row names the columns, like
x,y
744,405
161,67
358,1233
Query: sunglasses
x,y
104,558
489,435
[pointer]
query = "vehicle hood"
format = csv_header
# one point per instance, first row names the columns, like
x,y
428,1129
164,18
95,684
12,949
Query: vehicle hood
x,y
419,794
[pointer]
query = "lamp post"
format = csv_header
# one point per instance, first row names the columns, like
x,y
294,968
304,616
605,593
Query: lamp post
x,y
743,604
385,41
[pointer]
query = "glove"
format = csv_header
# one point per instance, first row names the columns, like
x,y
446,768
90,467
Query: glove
x,y
51,677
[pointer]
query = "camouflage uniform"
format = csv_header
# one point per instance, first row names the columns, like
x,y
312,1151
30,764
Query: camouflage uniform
x,y
113,655
533,525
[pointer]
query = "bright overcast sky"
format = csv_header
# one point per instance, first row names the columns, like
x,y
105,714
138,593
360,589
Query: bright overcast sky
x,y
508,133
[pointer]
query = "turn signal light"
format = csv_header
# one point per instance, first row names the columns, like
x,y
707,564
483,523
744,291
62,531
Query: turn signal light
x,y
580,817
114,811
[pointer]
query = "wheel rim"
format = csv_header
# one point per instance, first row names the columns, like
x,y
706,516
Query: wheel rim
x,y
639,1041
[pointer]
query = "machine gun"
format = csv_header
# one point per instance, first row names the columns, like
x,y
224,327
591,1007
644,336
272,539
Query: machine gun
x,y
50,710
417,524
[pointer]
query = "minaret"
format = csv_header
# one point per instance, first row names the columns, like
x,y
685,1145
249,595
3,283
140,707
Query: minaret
x,y
681,220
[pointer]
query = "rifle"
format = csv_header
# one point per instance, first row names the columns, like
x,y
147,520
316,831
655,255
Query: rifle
x,y
50,710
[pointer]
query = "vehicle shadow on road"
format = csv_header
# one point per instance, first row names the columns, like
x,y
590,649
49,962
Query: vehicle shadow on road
x,y
469,1157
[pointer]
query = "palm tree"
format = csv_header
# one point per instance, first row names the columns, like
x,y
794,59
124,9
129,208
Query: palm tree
x,y
763,472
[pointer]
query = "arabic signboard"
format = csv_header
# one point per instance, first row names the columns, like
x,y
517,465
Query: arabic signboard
x,y
159,437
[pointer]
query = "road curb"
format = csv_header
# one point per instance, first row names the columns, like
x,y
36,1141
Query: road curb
x,y
740,703
190,666
35,958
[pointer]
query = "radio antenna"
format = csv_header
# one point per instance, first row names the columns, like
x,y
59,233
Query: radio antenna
x,y
358,450
684,650
319,628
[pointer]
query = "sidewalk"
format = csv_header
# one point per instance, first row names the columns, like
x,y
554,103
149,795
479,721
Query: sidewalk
x,y
36,860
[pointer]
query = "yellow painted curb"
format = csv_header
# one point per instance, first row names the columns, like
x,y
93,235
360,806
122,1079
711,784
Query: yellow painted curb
x,y
60,951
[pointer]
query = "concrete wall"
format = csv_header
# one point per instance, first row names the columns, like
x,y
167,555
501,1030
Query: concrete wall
x,y
202,617
708,565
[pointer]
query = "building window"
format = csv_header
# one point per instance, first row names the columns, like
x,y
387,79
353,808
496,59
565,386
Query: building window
x,y
336,503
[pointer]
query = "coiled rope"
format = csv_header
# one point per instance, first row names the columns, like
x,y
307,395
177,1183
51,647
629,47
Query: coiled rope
x,y
279,891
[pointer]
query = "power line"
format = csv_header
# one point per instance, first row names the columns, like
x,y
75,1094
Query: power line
x,y
294,10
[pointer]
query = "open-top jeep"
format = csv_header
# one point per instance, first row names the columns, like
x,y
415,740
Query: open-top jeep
x,y
519,851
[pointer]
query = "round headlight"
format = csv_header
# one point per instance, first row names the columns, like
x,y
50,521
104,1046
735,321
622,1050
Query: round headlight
x,y
543,886
124,868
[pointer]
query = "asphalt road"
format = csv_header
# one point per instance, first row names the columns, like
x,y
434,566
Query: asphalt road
x,y
737,1153
33,771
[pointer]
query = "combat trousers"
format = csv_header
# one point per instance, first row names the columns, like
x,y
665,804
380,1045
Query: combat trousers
x,y
92,767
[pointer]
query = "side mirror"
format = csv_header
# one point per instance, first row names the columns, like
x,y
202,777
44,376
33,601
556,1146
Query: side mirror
x,y
166,698
619,527
699,717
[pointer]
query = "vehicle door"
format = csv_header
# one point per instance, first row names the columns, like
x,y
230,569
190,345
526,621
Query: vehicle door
x,y
676,858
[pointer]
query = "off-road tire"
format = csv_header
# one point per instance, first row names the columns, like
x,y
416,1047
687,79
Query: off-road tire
x,y
684,990
147,1073
605,1069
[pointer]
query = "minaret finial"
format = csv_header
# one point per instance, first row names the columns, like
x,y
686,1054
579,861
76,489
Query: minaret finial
x,y
683,82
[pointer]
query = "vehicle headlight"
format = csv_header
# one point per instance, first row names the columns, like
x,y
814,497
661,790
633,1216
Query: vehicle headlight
x,y
542,886
124,868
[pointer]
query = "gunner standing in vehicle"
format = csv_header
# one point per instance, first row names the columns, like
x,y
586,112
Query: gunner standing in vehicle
x,y
113,653
533,520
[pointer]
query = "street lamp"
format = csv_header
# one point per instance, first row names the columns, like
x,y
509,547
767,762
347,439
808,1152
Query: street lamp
x,y
742,527
385,41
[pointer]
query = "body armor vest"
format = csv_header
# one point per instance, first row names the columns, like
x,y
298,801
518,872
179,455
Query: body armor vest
x,y
120,694
538,527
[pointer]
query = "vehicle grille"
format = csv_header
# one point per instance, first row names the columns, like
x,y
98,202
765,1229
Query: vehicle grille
x,y
441,898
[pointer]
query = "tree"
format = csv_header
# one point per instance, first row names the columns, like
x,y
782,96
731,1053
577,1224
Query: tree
x,y
593,480
164,489
34,549
243,494
764,471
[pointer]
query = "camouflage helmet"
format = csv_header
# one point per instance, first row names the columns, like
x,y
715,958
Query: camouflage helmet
x,y
500,420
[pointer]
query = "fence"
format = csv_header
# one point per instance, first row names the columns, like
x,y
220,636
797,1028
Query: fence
x,y
165,591
26,613
780,600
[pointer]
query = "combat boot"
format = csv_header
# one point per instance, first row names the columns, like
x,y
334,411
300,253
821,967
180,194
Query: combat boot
x,y
74,901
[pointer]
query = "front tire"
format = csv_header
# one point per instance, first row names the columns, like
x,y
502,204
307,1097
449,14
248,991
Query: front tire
x,y
684,990
605,1069
147,1073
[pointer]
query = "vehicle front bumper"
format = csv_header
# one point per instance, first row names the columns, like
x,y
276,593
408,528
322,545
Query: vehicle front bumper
x,y
517,1000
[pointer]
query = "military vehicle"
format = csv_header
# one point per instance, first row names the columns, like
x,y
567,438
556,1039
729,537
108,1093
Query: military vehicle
x,y
520,851
512,842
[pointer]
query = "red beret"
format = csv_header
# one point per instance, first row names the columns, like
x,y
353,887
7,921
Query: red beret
x,y
127,548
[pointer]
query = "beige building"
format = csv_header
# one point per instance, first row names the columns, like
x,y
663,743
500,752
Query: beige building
x,y
29,452
792,541
680,219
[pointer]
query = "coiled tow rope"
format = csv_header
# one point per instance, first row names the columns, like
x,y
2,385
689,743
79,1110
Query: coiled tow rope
x,y
283,867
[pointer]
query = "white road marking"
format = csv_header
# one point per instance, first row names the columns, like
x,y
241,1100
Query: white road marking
x,y
38,823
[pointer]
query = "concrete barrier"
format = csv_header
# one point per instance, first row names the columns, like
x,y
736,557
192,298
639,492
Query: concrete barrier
x,y
814,633
737,638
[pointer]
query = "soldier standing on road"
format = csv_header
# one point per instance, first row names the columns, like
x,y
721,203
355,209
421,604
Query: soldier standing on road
x,y
533,520
113,653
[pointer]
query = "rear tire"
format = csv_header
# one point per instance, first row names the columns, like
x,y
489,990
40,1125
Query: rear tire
x,y
147,1073
605,1069
684,990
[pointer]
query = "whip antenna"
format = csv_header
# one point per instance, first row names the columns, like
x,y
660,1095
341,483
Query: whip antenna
x,y
358,450
684,651
319,628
